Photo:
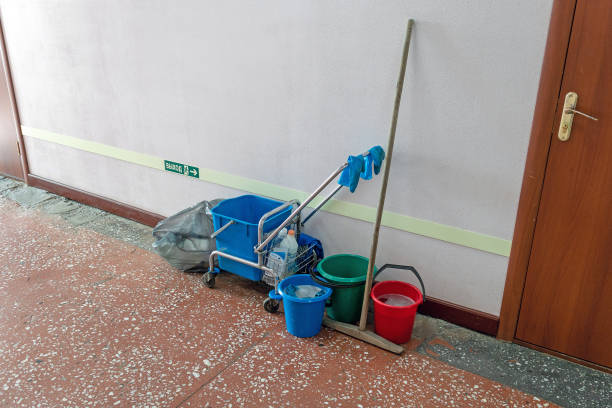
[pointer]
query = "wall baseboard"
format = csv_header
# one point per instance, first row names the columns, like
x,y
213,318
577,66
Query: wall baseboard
x,y
111,206
459,315
11,176
462,316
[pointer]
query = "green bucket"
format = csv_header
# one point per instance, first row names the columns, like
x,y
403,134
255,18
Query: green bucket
x,y
345,269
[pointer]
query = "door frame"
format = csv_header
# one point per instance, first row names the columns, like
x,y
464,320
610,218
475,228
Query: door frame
x,y
542,131
542,134
25,168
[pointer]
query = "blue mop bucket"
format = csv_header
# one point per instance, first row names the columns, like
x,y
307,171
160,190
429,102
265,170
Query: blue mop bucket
x,y
303,316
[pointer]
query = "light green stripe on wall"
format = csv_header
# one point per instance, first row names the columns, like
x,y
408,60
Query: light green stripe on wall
x,y
402,222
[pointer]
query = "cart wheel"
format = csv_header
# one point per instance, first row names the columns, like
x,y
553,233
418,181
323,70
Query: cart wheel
x,y
271,305
209,279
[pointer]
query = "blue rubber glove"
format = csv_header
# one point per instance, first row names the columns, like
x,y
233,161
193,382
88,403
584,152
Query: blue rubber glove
x,y
378,155
350,175
374,158
366,174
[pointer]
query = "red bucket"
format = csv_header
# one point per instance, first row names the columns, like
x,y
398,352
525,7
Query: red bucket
x,y
393,318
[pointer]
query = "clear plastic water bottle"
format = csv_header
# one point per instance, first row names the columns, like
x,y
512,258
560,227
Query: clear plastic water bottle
x,y
277,258
279,238
290,245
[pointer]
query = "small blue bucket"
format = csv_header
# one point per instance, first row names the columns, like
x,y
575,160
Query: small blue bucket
x,y
303,316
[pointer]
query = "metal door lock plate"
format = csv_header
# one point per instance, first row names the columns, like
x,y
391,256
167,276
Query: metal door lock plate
x,y
567,117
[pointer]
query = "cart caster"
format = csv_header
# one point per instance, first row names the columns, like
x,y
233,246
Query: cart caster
x,y
271,305
209,279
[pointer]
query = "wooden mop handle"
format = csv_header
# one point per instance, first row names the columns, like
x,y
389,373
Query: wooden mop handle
x,y
383,190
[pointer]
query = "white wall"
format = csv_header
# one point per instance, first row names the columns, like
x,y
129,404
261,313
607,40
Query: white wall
x,y
282,91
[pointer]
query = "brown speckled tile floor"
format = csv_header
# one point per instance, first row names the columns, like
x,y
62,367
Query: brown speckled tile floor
x,y
337,371
89,320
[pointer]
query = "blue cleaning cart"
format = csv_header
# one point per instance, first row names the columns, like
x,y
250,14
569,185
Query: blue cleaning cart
x,y
244,229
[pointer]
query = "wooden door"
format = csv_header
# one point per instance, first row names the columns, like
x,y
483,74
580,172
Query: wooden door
x,y
10,160
567,299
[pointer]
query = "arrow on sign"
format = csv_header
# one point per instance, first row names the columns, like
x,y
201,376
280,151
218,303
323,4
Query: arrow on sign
x,y
193,171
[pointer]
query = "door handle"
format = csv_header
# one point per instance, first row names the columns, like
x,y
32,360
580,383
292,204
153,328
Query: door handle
x,y
581,113
567,118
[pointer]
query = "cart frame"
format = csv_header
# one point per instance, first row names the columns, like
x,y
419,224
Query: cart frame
x,y
261,249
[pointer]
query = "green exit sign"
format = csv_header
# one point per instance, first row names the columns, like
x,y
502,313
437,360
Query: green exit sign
x,y
181,168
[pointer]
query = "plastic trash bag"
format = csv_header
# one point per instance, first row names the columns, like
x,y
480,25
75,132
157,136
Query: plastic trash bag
x,y
304,291
183,239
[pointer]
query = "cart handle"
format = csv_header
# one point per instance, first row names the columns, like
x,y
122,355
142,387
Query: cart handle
x,y
267,215
311,197
325,200
220,230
